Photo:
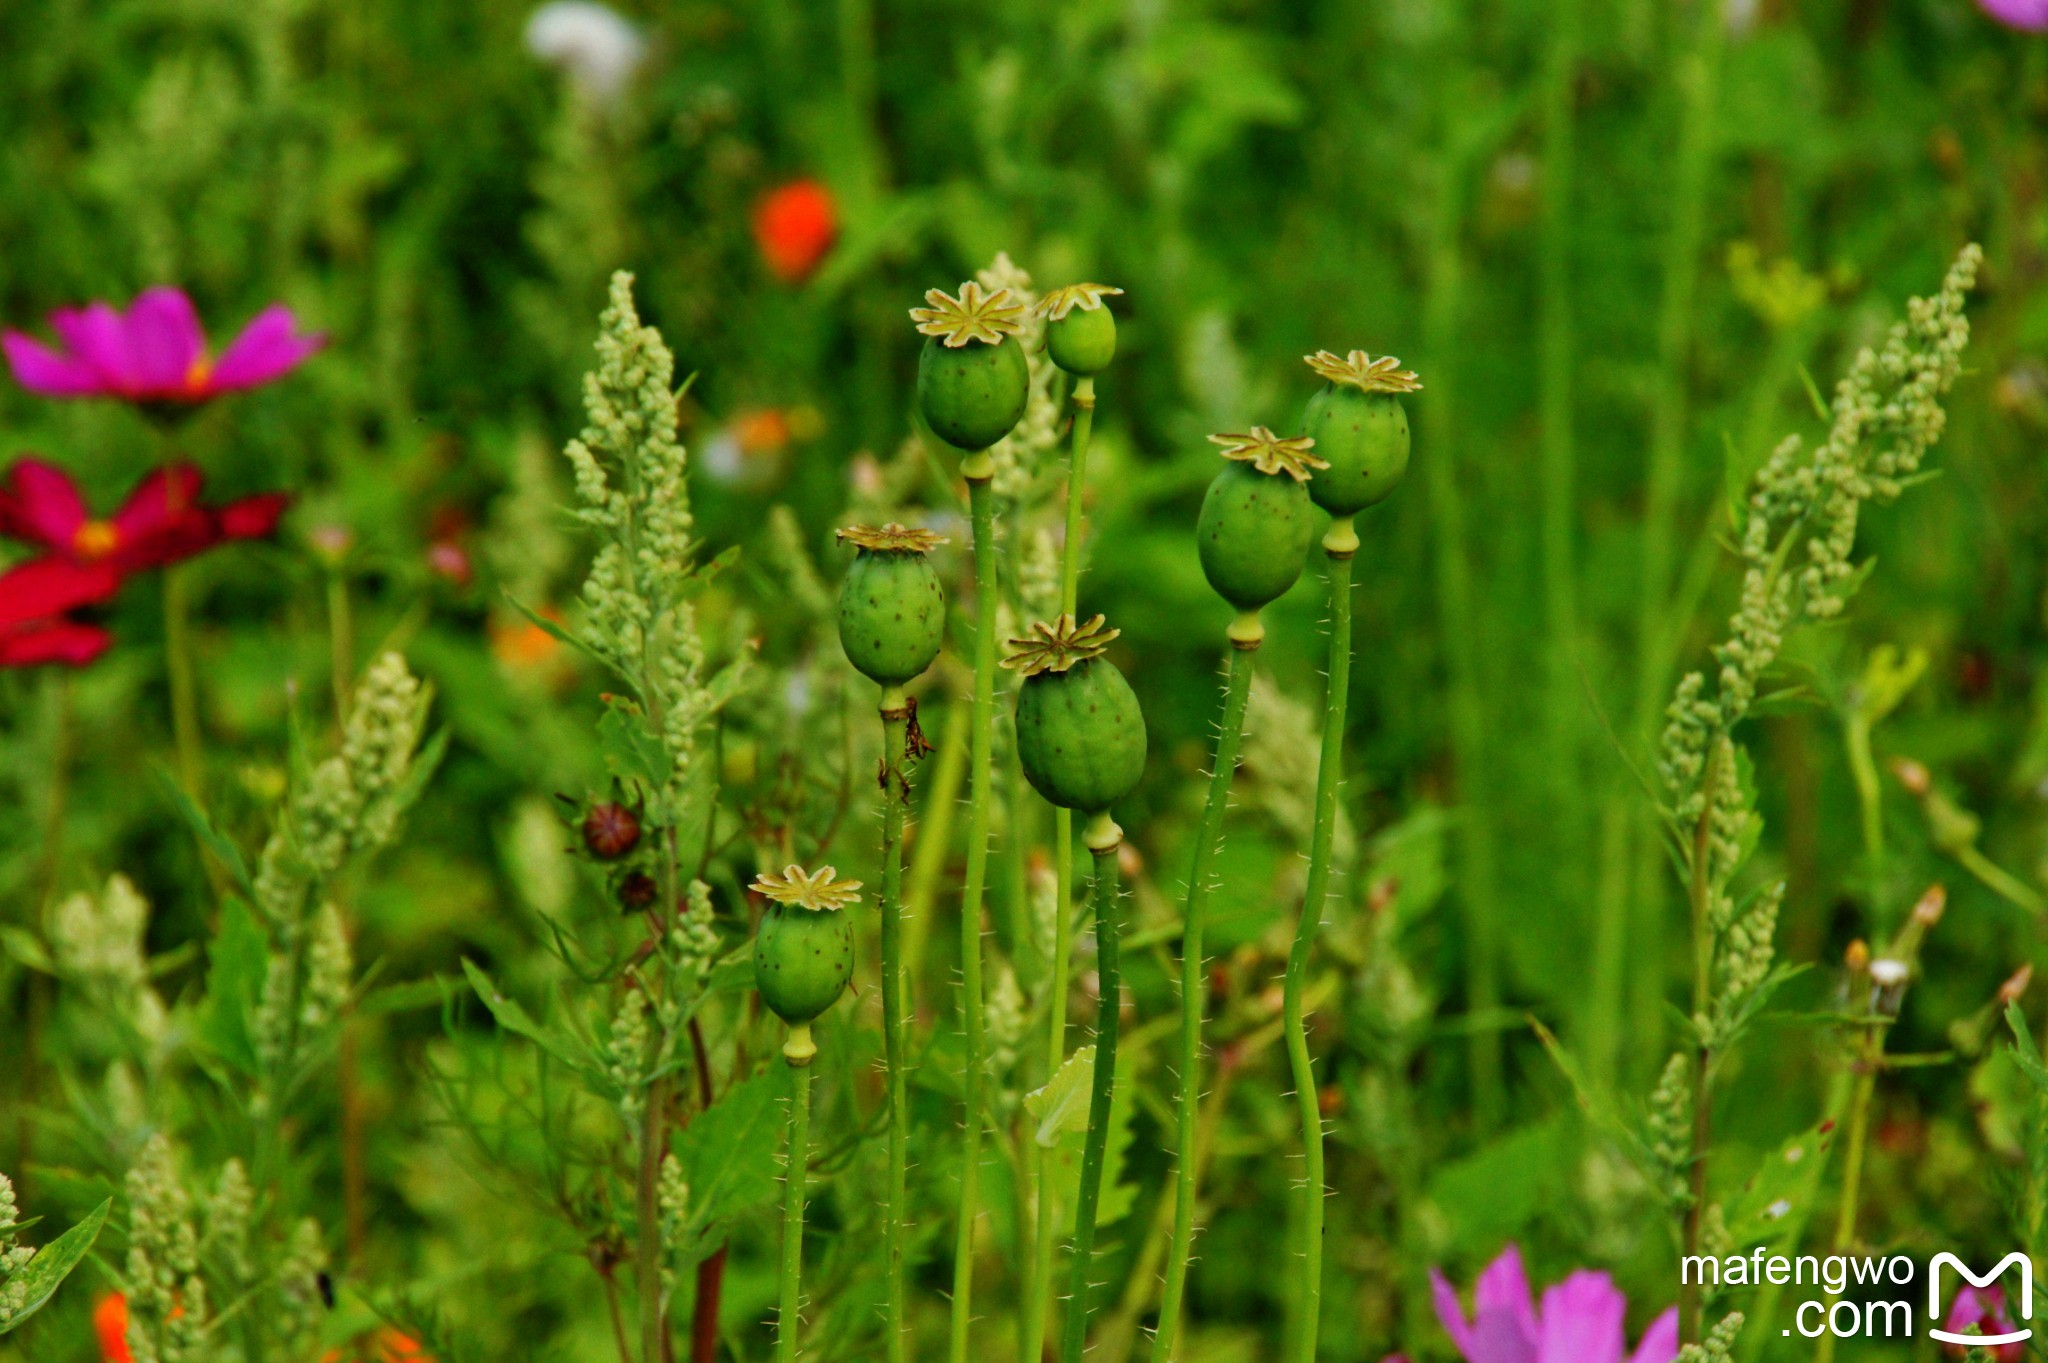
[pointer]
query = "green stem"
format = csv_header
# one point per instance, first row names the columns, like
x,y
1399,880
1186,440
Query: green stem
x,y
788,1317
1340,543
1039,1265
1700,894
1104,839
178,666
1245,636
1869,1050
979,471
1869,794
895,802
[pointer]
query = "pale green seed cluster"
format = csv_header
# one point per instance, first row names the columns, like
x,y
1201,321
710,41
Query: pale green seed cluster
x,y
14,1257
97,941
300,1306
625,1055
673,1193
1718,1346
1023,456
1670,1126
229,1213
1798,531
167,1304
693,941
631,481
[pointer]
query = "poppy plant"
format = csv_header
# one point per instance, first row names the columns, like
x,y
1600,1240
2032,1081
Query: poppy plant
x,y
155,352
795,225
162,522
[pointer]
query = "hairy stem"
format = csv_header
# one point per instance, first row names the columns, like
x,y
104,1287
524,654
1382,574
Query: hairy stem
x,y
1038,1266
1340,543
788,1315
1104,840
979,470
895,1039
1245,636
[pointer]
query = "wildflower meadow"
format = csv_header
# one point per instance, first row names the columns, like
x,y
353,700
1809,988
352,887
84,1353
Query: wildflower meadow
x,y
901,681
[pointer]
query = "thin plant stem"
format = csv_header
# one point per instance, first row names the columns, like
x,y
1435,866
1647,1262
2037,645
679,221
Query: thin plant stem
x,y
1700,894
63,737
1038,1266
935,836
979,470
1104,840
1869,792
178,668
1340,544
1246,634
895,709
1558,452
788,1316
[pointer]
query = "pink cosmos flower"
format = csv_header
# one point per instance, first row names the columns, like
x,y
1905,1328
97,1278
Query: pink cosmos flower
x,y
1983,1307
156,352
2031,15
1580,1320
36,601
162,521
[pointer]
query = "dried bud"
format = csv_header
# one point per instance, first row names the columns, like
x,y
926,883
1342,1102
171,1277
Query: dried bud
x,y
1888,973
2014,988
1912,776
1330,1100
610,830
1929,910
1857,957
638,891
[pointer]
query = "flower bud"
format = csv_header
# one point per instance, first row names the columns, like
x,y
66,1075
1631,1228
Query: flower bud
x,y
610,830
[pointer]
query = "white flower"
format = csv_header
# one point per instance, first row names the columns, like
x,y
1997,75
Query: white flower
x,y
1888,972
592,43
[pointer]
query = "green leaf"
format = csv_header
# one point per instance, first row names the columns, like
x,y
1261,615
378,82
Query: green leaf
x,y
547,626
631,753
513,1017
237,961
1061,1107
53,1264
1782,1195
210,838
732,1152
1492,1193
25,947
2024,1051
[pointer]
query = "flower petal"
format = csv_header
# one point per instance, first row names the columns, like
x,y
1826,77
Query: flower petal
x,y
268,347
97,336
165,341
38,591
1582,1320
40,369
1498,1337
1504,1290
252,518
39,503
1660,1341
60,641
1450,1313
2025,14
160,499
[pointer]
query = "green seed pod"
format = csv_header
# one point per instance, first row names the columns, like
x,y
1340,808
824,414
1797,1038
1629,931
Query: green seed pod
x,y
803,952
972,379
892,610
1080,734
1360,428
1256,525
1080,332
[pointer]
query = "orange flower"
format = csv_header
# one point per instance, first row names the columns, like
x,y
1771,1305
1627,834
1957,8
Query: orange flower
x,y
794,226
522,644
386,1346
110,1324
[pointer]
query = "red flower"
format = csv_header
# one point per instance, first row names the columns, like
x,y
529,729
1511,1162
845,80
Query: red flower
x,y
155,352
162,521
36,600
795,226
110,1323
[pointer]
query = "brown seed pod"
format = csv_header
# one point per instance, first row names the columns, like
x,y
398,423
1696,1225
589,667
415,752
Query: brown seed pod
x,y
610,830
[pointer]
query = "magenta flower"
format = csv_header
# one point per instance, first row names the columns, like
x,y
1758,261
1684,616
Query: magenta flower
x,y
2031,15
1983,1307
1580,1320
155,352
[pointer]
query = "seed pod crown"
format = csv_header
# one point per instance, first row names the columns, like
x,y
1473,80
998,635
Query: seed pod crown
x,y
976,315
1055,306
1270,453
1055,646
892,538
820,891
1361,371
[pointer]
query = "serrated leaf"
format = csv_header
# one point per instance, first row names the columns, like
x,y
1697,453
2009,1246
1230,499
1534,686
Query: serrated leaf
x,y
630,752
732,1151
1781,1197
53,1264
1061,1107
513,1017
236,962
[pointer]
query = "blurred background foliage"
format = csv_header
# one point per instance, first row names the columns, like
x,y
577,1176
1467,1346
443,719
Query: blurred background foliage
x,y
1622,240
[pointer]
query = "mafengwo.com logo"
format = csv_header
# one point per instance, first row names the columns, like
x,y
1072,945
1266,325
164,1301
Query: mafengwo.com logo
x,y
1964,1307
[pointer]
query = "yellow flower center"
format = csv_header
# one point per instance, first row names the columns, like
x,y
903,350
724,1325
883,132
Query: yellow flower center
x,y
95,540
199,375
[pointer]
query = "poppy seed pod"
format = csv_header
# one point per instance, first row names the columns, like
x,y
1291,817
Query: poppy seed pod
x,y
972,378
803,952
1360,429
892,610
1256,525
1080,733
610,830
1080,332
